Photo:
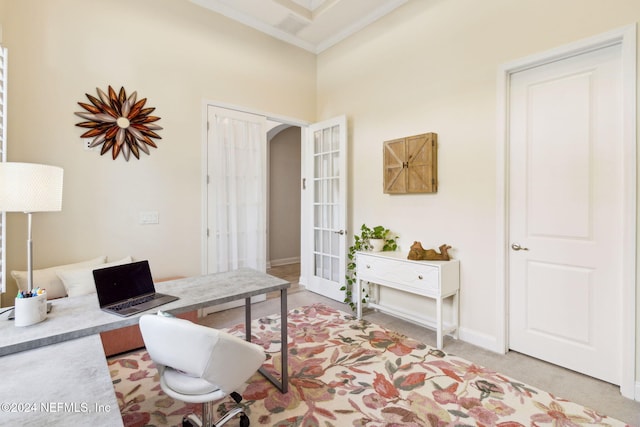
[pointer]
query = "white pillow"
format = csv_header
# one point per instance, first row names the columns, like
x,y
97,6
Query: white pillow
x,y
47,278
80,282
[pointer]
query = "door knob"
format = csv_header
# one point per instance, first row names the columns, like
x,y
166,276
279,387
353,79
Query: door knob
x,y
340,232
517,247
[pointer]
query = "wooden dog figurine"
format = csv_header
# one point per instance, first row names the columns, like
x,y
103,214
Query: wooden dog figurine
x,y
417,252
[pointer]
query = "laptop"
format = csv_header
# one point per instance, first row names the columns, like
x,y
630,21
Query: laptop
x,y
128,289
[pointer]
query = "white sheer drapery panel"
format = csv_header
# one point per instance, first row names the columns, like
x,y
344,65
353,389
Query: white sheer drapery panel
x,y
3,158
240,197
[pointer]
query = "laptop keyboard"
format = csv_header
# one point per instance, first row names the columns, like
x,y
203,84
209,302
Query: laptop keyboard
x,y
131,303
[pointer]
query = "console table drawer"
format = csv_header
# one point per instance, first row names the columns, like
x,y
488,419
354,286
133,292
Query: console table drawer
x,y
419,279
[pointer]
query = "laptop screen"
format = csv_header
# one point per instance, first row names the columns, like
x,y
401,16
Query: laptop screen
x,y
121,282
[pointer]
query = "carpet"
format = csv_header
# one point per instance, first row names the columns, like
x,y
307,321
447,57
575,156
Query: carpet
x,y
345,372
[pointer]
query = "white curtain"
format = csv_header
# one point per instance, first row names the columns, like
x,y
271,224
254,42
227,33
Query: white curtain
x,y
238,183
3,158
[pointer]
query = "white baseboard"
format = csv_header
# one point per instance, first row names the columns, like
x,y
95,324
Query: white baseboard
x,y
284,261
476,338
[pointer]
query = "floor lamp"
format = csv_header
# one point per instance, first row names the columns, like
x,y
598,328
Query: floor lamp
x,y
28,188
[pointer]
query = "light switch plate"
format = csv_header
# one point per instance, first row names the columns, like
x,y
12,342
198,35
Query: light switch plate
x,y
149,217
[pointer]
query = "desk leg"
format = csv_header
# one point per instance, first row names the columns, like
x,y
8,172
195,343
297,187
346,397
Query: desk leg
x,y
284,338
283,384
247,319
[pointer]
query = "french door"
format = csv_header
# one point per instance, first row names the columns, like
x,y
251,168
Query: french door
x,y
327,205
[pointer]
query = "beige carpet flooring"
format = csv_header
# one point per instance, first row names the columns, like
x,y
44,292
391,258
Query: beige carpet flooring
x,y
599,395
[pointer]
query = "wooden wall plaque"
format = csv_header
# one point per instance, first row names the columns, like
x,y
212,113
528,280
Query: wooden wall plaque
x,y
411,164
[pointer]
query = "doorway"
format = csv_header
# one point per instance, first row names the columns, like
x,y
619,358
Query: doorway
x,y
284,157
284,175
323,198
560,139
236,192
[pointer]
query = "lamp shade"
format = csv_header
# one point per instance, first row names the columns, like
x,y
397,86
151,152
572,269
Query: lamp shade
x,y
30,187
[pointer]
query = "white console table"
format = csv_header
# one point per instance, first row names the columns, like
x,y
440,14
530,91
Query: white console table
x,y
432,279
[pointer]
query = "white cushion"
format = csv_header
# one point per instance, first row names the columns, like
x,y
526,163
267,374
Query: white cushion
x,y
80,281
47,278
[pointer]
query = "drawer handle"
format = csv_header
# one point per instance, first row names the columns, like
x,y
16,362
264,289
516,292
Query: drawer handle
x,y
368,266
420,276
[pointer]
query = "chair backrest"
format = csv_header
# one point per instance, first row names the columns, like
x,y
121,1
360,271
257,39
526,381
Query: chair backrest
x,y
220,358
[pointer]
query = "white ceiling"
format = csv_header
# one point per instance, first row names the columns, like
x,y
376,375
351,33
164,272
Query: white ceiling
x,y
314,25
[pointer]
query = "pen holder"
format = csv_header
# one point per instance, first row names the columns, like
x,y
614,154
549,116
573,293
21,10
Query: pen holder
x,y
30,310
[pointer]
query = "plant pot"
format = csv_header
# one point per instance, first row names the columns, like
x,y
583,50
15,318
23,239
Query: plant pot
x,y
376,245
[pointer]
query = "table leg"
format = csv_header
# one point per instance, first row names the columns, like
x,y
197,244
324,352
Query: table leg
x,y
456,314
283,383
356,294
284,338
247,319
439,323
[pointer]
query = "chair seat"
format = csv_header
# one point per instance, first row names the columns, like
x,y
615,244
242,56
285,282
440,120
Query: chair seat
x,y
185,384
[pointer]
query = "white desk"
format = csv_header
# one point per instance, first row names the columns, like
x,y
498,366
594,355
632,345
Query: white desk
x,y
432,279
61,359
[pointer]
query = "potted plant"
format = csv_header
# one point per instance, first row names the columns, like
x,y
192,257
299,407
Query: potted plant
x,y
378,238
363,242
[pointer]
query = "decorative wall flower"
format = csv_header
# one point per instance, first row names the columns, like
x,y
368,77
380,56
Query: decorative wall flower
x,y
119,123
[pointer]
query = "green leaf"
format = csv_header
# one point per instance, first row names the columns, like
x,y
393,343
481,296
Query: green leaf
x,y
391,368
457,413
361,243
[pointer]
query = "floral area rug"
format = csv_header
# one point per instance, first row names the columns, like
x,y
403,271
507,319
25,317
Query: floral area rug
x,y
345,372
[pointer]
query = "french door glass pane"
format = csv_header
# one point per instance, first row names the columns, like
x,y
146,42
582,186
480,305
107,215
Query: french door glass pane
x,y
318,265
326,193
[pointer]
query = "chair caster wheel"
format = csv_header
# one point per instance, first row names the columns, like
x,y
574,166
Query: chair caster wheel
x,y
244,421
188,421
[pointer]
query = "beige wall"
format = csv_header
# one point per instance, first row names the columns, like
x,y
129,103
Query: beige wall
x,y
171,52
429,66
432,66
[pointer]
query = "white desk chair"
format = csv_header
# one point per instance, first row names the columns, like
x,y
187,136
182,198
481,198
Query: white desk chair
x,y
198,364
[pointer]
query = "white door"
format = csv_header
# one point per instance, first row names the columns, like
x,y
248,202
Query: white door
x,y
566,212
328,208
